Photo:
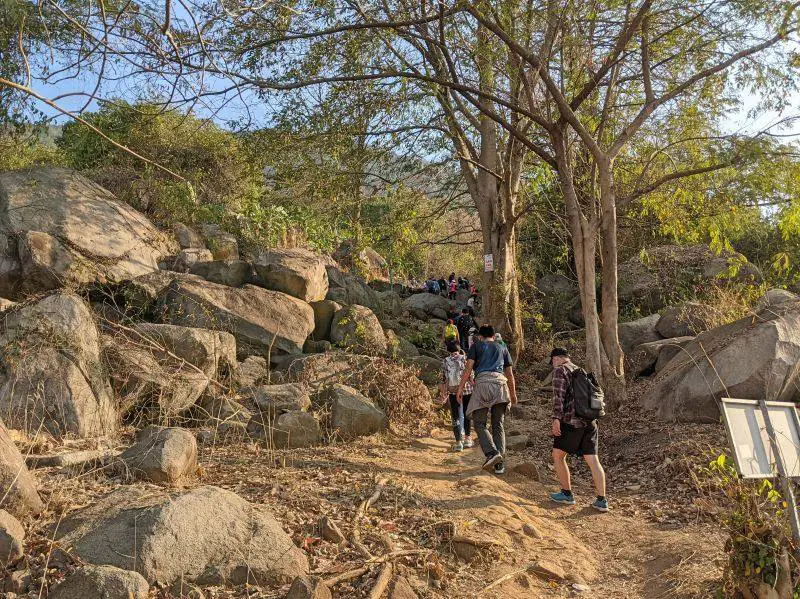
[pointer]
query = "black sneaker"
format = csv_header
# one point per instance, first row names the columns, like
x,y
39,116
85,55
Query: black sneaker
x,y
491,461
500,468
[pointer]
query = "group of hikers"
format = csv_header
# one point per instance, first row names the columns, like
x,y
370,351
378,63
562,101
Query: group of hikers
x,y
449,287
478,381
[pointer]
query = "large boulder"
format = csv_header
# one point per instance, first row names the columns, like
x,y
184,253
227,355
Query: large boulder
x,y
162,455
187,237
642,360
223,414
775,298
186,259
650,280
233,273
252,371
392,303
264,322
346,288
102,582
685,320
20,496
427,305
352,414
277,399
399,347
139,294
755,357
51,374
300,273
323,318
209,535
357,327
58,227
319,370
12,539
636,332
166,366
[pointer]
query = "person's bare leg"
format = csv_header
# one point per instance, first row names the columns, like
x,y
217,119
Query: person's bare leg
x,y
562,470
598,474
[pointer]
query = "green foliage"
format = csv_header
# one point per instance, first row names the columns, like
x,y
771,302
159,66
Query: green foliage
x,y
760,546
426,337
27,148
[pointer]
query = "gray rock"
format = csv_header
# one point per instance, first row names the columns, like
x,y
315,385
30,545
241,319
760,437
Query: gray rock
x,y
102,582
189,257
398,347
669,350
306,587
556,285
775,298
402,589
425,305
352,414
276,399
323,318
140,293
297,272
317,347
164,455
187,237
685,320
643,359
319,370
430,369
264,322
12,539
357,327
166,365
516,442
288,430
755,357
346,288
392,303
233,273
51,374
222,244
70,230
206,535
223,414
253,371
20,495
639,331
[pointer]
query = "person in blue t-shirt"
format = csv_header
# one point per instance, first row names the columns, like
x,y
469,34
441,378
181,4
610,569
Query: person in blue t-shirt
x,y
493,391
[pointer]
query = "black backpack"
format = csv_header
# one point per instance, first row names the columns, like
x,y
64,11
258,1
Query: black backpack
x,y
588,397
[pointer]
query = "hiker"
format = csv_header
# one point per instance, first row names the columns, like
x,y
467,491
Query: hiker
x,y
452,277
471,305
494,389
453,289
572,435
453,367
465,326
450,333
443,287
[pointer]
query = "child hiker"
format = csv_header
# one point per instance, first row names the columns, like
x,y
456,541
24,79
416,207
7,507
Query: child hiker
x,y
452,370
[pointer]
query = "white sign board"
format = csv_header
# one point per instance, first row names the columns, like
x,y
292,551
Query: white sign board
x,y
488,262
748,436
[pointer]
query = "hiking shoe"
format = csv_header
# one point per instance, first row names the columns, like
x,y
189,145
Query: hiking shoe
x,y
468,442
500,468
563,498
458,446
491,461
601,505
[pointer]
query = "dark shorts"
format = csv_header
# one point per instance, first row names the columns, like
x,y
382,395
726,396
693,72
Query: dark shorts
x,y
577,441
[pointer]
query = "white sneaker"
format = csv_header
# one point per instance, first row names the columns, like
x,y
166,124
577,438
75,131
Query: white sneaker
x,y
468,442
458,446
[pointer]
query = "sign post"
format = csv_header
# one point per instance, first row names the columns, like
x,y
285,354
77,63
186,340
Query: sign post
x,y
488,262
765,437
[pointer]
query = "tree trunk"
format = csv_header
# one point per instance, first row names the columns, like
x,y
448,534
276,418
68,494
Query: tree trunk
x,y
501,306
614,375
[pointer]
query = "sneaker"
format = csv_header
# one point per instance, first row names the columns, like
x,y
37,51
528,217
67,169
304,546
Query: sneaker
x,y
468,442
500,468
490,462
458,446
563,498
601,505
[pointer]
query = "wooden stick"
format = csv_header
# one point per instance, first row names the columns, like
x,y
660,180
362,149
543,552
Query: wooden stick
x,y
502,579
360,513
383,581
349,575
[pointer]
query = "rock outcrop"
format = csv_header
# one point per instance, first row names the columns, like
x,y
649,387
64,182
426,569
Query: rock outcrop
x,y
102,582
60,228
50,369
277,399
755,357
323,318
636,332
12,539
166,365
684,320
297,272
346,288
208,535
20,495
264,322
288,430
233,273
427,305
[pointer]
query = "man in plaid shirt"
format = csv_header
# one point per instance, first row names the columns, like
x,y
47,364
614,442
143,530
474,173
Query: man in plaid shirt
x,y
571,435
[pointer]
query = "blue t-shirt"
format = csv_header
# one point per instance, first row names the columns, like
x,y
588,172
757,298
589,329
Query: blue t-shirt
x,y
489,357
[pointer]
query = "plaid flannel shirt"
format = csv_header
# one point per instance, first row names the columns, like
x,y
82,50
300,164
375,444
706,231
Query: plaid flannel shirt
x,y
566,414
456,363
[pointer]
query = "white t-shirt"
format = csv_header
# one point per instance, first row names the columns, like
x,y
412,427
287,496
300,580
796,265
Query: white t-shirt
x,y
471,302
